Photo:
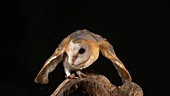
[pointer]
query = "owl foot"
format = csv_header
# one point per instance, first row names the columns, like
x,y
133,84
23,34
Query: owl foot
x,y
81,75
71,76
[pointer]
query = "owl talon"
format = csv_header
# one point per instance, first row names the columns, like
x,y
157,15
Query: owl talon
x,y
71,76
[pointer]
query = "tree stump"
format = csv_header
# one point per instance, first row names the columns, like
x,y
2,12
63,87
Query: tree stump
x,y
96,85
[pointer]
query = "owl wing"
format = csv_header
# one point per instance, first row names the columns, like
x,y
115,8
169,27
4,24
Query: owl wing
x,y
108,51
52,62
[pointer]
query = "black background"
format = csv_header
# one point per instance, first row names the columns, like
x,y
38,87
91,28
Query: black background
x,y
32,29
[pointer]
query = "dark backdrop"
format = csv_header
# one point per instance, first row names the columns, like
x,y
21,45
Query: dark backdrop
x,y
32,29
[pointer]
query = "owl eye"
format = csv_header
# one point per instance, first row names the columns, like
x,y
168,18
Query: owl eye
x,y
81,51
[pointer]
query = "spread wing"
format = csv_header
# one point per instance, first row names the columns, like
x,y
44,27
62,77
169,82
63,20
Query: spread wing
x,y
107,50
52,62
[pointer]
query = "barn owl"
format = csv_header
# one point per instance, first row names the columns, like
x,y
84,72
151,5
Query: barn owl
x,y
78,51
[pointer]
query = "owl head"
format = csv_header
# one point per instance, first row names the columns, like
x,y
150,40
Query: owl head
x,y
82,53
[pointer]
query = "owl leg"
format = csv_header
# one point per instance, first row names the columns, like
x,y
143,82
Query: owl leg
x,y
68,74
68,69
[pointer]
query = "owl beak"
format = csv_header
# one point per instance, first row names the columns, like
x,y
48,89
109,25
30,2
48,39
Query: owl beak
x,y
74,59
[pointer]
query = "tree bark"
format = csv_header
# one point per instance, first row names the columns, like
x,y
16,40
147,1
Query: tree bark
x,y
96,85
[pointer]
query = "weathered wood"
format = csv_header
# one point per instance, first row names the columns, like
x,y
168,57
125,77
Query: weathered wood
x,y
96,85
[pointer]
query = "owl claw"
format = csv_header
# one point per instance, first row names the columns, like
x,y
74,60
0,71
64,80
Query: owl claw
x,y
71,76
